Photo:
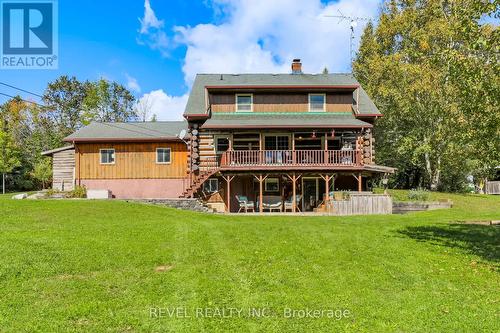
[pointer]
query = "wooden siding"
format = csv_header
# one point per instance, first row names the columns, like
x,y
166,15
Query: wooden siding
x,y
335,102
63,165
132,161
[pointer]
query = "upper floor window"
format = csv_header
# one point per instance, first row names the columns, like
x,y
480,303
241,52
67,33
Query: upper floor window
x,y
317,102
244,103
107,156
163,155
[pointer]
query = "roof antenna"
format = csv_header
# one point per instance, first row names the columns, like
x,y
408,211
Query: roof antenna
x,y
353,22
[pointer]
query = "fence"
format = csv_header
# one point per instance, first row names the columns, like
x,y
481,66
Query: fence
x,y
493,187
361,204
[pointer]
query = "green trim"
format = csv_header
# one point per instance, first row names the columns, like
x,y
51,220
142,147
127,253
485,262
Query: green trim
x,y
322,113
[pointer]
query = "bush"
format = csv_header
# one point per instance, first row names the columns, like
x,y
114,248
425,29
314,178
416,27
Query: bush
x,y
418,194
78,192
50,192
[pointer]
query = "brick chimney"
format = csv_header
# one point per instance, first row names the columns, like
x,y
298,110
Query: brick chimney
x,y
296,66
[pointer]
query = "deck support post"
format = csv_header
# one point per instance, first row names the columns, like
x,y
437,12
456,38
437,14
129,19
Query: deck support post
x,y
327,179
228,180
261,179
359,178
294,179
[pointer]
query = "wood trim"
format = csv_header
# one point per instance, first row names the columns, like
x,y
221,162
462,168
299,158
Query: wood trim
x,y
122,140
312,126
361,115
288,87
297,168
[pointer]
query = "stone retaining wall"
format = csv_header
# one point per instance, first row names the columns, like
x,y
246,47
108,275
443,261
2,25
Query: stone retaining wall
x,y
402,207
186,204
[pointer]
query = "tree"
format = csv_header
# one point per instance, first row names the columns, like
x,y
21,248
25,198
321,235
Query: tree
x,y
143,108
427,72
43,171
8,155
69,104
108,102
65,97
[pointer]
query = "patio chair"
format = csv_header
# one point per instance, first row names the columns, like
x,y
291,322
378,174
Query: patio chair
x,y
244,203
272,202
289,203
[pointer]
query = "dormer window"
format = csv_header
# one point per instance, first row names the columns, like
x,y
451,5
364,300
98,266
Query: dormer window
x,y
317,102
244,103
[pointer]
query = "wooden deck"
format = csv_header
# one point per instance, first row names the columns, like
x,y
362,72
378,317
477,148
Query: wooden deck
x,y
290,159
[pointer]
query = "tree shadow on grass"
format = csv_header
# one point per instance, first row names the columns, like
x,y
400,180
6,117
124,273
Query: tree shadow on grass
x,y
480,240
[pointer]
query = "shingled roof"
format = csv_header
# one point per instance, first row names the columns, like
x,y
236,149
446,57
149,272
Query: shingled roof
x,y
130,131
284,120
196,101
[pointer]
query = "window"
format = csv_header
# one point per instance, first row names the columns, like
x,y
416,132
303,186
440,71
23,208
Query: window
x,y
272,185
317,102
163,155
244,103
107,156
211,185
221,145
276,142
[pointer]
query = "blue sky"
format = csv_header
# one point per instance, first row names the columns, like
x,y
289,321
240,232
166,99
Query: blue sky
x,y
155,47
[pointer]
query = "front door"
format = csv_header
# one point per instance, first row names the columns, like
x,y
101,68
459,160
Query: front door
x,y
312,193
309,194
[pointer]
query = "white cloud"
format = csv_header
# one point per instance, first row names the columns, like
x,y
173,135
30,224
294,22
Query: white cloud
x,y
149,20
164,106
132,83
259,36
151,32
264,36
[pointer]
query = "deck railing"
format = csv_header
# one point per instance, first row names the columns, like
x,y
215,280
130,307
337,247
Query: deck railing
x,y
290,158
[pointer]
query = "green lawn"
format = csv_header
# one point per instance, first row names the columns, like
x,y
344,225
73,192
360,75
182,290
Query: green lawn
x,y
89,266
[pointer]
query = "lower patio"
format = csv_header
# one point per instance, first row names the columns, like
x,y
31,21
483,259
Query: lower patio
x,y
278,192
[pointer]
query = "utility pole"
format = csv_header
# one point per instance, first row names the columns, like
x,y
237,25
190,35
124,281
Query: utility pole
x,y
353,23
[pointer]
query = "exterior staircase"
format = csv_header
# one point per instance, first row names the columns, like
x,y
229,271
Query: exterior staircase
x,y
197,182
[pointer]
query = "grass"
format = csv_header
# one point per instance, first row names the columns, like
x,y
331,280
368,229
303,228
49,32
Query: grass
x,y
91,266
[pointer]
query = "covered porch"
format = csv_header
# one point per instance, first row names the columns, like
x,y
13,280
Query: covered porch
x,y
293,192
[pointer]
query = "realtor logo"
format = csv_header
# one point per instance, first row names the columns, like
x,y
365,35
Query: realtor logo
x,y
29,34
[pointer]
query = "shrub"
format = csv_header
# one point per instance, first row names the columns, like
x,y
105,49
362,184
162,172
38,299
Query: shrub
x,y
418,194
50,192
78,192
